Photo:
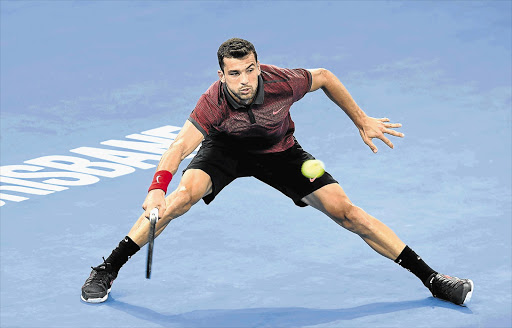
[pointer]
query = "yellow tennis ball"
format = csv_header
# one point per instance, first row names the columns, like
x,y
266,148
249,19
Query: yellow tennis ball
x,y
313,168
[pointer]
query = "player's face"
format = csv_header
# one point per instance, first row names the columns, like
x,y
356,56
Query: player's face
x,y
241,77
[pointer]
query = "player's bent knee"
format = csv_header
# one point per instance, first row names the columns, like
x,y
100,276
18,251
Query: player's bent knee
x,y
184,195
357,220
349,216
180,201
339,209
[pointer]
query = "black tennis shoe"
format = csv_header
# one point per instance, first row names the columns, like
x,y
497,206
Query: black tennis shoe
x,y
452,289
99,283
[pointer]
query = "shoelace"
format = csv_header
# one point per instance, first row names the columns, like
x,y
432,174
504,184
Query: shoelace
x,y
101,267
98,274
445,284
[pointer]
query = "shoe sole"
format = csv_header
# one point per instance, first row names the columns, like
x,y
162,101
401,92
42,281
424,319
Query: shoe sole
x,y
104,298
470,293
96,300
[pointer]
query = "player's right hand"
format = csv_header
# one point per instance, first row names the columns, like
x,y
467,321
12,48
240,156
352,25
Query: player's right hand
x,y
155,198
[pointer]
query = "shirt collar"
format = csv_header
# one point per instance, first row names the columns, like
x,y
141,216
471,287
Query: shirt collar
x,y
258,99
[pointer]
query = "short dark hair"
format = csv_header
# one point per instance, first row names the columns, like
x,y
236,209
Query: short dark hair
x,y
235,48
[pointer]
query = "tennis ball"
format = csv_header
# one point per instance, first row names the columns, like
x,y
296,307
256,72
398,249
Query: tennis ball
x,y
313,168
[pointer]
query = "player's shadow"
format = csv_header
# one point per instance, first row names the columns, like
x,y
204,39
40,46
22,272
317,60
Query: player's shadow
x,y
273,317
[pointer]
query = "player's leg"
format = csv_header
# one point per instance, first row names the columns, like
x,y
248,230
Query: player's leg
x,y
212,168
194,185
283,172
332,200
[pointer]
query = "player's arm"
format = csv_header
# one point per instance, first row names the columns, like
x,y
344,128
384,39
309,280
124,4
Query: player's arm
x,y
368,127
185,143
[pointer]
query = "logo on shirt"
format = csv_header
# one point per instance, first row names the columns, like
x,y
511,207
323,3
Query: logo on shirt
x,y
277,111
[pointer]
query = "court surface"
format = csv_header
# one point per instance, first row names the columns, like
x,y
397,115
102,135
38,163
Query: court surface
x,y
89,80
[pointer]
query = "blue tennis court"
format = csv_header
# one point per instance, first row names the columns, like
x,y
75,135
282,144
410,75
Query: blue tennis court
x,y
93,92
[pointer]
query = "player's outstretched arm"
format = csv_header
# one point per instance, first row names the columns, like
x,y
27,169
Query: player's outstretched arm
x,y
185,143
368,127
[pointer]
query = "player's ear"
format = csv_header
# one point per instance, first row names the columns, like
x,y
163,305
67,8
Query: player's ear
x,y
221,76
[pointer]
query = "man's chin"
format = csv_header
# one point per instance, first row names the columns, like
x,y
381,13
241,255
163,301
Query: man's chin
x,y
245,99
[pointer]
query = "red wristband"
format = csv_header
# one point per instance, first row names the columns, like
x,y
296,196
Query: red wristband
x,y
161,180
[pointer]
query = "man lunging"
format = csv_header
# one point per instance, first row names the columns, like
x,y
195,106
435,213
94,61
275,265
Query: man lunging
x,y
244,126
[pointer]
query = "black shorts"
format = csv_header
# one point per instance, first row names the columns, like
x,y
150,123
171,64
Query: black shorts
x,y
279,170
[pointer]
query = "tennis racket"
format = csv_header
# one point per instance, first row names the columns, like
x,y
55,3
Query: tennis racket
x,y
153,218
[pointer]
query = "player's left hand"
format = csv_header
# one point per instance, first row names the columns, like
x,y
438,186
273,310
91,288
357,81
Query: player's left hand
x,y
375,128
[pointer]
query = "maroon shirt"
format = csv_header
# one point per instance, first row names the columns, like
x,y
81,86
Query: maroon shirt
x,y
265,126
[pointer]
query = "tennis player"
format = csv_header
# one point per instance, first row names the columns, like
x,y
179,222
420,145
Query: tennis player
x,y
244,127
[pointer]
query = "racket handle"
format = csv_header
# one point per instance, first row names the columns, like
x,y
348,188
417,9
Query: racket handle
x,y
153,218
153,215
